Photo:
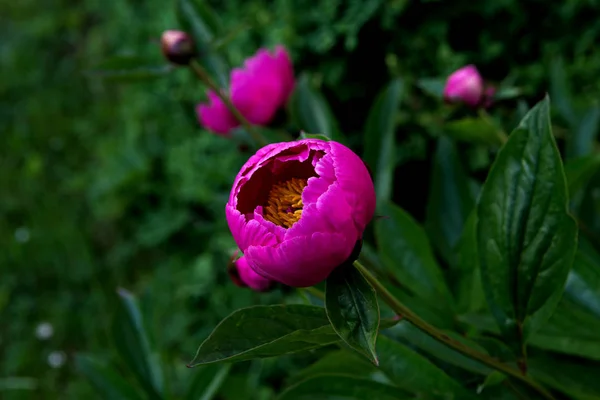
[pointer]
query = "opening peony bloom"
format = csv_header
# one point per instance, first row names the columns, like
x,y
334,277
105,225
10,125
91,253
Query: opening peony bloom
x,y
464,85
258,89
297,209
242,275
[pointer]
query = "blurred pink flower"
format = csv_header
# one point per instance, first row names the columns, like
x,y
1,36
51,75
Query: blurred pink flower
x,y
258,89
215,115
244,276
177,47
488,96
464,85
297,209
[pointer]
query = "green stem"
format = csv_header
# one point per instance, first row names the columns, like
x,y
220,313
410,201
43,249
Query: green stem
x,y
438,335
205,77
502,137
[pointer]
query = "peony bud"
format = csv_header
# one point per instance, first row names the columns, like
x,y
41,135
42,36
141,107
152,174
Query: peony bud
x,y
178,47
297,209
243,276
464,85
258,90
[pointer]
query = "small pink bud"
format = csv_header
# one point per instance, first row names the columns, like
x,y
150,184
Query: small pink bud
x,y
243,276
464,85
178,47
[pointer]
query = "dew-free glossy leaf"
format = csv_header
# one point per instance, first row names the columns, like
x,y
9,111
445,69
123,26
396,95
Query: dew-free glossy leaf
x,y
107,381
342,387
450,199
311,112
266,331
406,253
526,239
379,138
134,346
352,309
197,18
412,372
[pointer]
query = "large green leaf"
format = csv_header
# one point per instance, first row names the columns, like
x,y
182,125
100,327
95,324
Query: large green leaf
x,y
352,309
407,254
108,382
583,283
342,387
450,199
379,138
526,239
581,142
580,170
266,331
196,17
134,346
310,111
412,372
341,362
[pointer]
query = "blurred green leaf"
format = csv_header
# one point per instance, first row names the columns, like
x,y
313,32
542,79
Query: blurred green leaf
x,y
583,283
341,387
266,331
135,347
450,199
493,379
352,309
413,372
342,362
304,135
560,91
570,376
432,86
407,254
526,239
379,138
473,130
583,138
580,170
129,69
507,93
197,18
108,382
310,111
207,381
468,290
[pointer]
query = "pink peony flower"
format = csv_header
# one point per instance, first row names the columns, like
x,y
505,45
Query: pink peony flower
x,y
215,115
297,209
464,85
244,276
258,89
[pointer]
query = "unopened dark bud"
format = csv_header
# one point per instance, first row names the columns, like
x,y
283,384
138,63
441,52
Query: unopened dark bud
x,y
178,47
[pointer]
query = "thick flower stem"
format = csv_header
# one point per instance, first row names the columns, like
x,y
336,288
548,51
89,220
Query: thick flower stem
x,y
438,335
204,76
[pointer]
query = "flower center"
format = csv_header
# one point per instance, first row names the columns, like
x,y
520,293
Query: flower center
x,y
284,203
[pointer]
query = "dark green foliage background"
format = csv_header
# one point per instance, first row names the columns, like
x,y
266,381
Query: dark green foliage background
x,y
107,184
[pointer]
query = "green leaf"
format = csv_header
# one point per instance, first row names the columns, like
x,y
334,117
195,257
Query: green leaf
x,y
406,253
129,69
304,135
573,377
526,239
207,381
379,138
467,286
352,309
310,111
580,171
266,331
507,92
560,91
450,199
583,283
493,379
108,382
473,130
582,141
432,86
413,372
196,17
134,345
341,362
342,387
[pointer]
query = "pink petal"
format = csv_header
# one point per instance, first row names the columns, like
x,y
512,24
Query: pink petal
x,y
215,115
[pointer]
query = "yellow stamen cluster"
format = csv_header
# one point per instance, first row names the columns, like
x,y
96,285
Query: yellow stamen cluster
x,y
284,204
